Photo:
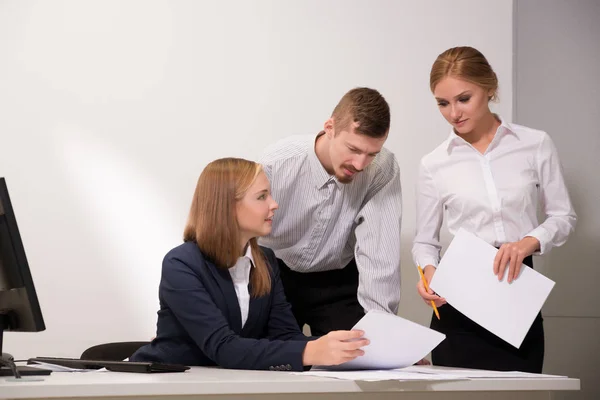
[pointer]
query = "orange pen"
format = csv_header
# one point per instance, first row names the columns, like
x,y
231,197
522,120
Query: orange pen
x,y
437,314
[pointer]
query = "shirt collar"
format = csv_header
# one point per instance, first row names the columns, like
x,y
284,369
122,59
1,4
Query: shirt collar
x,y
504,129
319,175
249,255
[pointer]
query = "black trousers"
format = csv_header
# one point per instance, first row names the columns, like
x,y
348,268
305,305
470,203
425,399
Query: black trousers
x,y
325,301
468,345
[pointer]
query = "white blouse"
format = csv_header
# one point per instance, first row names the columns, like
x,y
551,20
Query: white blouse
x,y
494,195
240,275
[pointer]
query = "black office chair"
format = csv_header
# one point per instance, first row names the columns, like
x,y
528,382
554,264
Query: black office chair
x,y
116,351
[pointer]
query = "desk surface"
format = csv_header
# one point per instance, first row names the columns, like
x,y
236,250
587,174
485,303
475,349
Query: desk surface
x,y
215,381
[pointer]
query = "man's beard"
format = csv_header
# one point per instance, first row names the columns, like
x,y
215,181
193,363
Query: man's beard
x,y
343,178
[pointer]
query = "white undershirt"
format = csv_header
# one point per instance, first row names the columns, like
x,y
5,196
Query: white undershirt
x,y
240,275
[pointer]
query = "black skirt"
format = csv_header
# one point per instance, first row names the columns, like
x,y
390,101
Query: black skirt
x,y
468,345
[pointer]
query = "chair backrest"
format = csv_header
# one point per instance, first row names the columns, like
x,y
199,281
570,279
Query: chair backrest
x,y
116,351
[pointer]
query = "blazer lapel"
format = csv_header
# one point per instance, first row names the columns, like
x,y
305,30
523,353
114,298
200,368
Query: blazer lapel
x,y
233,315
257,305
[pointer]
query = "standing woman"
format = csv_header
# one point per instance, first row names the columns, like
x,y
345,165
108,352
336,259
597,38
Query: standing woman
x,y
221,297
488,177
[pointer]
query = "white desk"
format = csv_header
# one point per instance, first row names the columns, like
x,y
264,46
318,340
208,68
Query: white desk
x,y
206,383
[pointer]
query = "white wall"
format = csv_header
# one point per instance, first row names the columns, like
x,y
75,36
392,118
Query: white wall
x,y
557,89
109,110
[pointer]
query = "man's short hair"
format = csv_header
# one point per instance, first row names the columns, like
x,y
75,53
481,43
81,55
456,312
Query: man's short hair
x,y
367,109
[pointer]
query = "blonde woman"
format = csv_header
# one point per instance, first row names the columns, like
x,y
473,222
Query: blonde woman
x,y
221,298
488,177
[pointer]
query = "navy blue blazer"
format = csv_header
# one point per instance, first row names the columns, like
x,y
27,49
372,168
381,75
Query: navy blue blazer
x,y
200,323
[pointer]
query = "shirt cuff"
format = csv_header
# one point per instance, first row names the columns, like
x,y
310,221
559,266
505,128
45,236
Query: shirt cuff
x,y
427,260
543,237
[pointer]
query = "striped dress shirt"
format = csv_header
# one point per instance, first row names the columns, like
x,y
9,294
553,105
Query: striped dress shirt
x,y
322,224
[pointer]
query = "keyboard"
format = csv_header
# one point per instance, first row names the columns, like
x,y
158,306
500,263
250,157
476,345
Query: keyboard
x,y
25,371
119,366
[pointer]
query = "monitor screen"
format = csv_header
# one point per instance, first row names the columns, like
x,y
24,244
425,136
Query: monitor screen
x,y
19,306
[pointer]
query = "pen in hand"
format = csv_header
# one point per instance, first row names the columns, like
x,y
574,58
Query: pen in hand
x,y
437,314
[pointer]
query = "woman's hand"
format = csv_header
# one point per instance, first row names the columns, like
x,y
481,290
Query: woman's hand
x,y
335,348
429,295
512,255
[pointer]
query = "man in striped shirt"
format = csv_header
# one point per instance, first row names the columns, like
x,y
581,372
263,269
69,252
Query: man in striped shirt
x,y
337,232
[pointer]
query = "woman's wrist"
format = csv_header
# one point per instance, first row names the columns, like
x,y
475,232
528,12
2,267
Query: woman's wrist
x,y
307,355
533,244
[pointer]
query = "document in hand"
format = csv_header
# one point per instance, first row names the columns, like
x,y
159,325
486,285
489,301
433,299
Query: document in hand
x,y
394,342
465,278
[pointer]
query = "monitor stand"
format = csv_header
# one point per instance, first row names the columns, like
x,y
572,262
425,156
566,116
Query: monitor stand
x,y
7,365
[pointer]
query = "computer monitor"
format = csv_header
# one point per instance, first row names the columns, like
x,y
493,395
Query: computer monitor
x,y
19,307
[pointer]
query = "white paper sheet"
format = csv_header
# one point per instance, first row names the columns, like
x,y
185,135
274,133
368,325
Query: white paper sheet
x,y
57,368
394,342
425,373
473,373
465,278
381,375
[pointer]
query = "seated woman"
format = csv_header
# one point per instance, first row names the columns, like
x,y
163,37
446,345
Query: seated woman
x,y
221,298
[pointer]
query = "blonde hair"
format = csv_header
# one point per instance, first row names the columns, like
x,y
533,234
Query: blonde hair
x,y
465,63
212,221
